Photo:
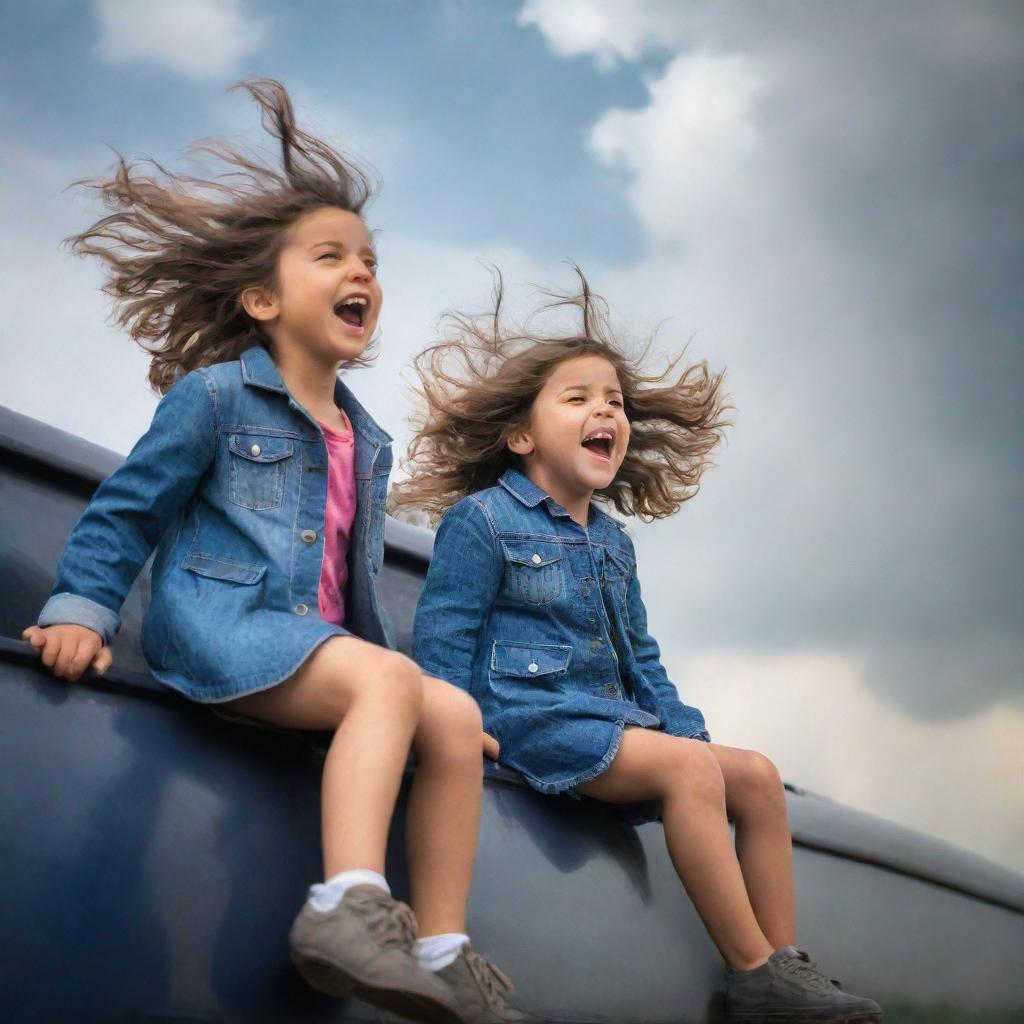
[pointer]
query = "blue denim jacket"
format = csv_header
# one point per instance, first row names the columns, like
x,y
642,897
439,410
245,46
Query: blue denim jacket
x,y
229,485
541,620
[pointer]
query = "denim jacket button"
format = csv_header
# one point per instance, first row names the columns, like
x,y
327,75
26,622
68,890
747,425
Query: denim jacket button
x,y
536,559
610,691
307,536
255,449
532,667
301,609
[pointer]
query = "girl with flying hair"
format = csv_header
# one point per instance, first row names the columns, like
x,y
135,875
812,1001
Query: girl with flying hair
x,y
532,605
261,484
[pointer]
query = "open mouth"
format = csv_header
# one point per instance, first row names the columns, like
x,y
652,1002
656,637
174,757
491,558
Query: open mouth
x,y
601,446
352,311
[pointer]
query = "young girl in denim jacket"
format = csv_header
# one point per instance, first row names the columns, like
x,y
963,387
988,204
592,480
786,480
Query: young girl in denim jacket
x,y
261,483
532,605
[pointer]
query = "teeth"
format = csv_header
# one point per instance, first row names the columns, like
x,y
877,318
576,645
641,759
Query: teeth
x,y
604,445
357,300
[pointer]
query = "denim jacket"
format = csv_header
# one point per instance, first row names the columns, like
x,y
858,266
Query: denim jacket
x,y
541,620
229,485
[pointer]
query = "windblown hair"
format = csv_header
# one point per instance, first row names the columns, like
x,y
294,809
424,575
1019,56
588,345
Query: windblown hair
x,y
477,388
178,250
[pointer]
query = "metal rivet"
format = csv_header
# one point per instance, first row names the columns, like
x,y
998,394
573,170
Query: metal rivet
x,y
255,449
536,559
532,666
301,609
308,536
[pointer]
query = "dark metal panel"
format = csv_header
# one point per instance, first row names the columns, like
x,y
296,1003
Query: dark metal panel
x,y
160,853
21,436
157,853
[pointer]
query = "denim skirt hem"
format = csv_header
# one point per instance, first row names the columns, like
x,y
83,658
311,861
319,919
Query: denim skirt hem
x,y
569,785
217,687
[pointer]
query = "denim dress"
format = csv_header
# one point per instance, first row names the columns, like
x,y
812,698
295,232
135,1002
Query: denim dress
x,y
229,485
541,621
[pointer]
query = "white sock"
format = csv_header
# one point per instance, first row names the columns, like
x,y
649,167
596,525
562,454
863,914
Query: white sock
x,y
438,951
325,896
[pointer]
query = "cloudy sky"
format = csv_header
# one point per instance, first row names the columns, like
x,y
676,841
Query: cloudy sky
x,y
825,200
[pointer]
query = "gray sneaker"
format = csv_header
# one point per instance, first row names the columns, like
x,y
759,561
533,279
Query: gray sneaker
x,y
480,989
363,948
790,988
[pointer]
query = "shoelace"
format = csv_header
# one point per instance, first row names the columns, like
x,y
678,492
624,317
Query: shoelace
x,y
495,984
393,923
803,968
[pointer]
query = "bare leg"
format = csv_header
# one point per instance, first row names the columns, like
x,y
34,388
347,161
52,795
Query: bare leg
x,y
443,818
685,776
371,697
756,802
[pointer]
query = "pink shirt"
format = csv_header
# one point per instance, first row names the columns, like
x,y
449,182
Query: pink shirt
x,y
338,516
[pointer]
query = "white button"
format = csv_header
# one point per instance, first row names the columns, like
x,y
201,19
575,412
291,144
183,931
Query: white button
x,y
532,666
301,609
255,449
308,536
535,559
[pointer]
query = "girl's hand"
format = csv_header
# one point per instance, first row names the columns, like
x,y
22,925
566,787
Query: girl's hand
x,y
69,650
491,747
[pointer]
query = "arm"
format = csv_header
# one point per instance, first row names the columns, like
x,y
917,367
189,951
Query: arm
x,y
661,697
462,583
131,509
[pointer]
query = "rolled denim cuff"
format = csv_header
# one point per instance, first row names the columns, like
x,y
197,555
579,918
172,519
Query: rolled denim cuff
x,y
72,609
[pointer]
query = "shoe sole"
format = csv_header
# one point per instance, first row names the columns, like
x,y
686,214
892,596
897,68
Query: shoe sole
x,y
330,979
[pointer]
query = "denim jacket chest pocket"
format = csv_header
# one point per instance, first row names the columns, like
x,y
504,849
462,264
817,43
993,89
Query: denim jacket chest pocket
x,y
257,469
533,571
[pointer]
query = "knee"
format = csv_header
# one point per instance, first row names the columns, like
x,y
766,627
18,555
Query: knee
x,y
464,719
761,775
695,773
398,684
757,785
451,727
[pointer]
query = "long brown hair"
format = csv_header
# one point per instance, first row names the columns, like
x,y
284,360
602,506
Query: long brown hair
x,y
178,250
478,385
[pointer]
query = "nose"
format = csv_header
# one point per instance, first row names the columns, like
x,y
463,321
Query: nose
x,y
360,271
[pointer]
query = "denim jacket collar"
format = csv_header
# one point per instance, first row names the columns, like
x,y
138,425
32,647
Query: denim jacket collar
x,y
260,371
523,489
362,422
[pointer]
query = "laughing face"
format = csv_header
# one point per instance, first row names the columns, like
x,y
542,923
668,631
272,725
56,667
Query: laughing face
x,y
326,298
576,439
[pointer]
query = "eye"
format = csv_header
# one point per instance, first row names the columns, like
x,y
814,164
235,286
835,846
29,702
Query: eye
x,y
577,398
617,402
327,256
371,264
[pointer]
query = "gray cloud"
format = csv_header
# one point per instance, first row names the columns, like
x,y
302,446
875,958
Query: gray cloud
x,y
854,255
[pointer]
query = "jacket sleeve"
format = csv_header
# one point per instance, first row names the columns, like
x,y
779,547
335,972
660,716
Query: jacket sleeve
x,y
462,583
659,695
132,508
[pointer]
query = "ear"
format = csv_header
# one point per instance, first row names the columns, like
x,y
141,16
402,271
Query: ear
x,y
520,441
260,303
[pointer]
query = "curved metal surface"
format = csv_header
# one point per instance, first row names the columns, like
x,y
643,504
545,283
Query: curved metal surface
x,y
154,854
